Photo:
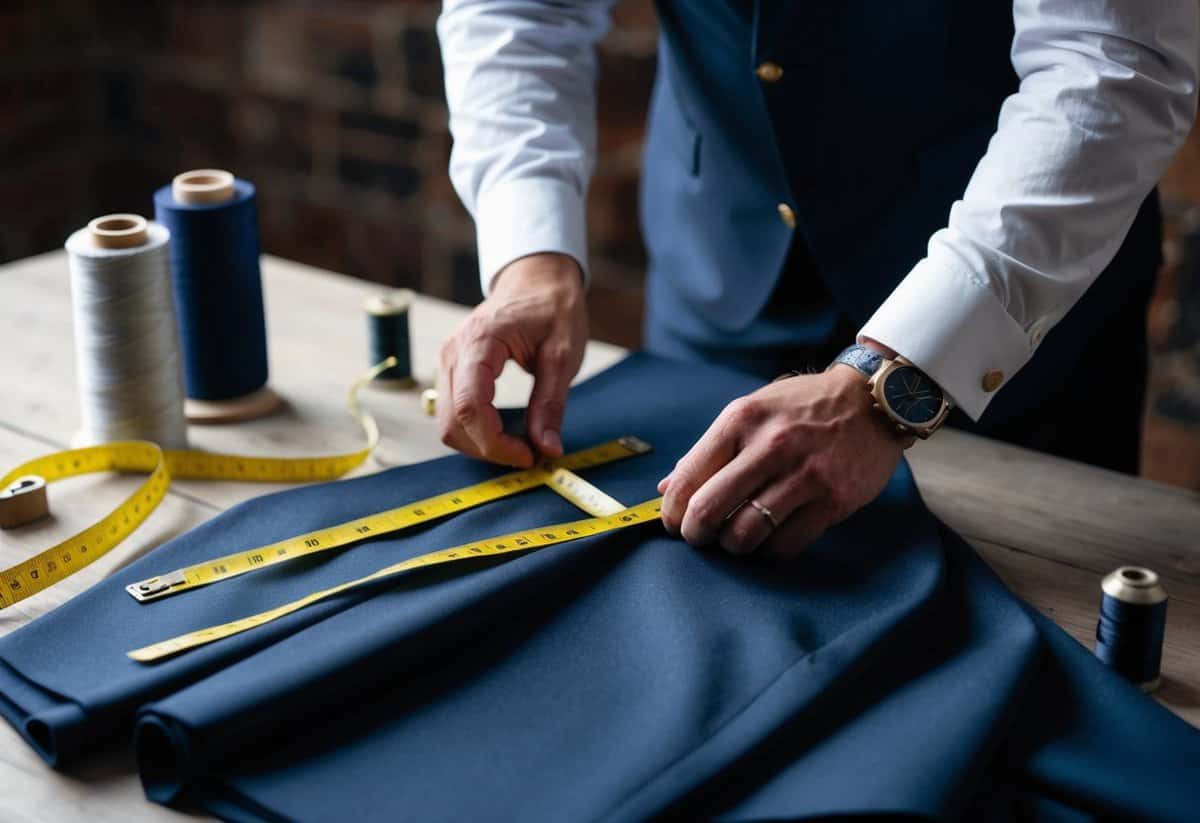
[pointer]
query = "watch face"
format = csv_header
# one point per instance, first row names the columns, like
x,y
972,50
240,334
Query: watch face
x,y
912,396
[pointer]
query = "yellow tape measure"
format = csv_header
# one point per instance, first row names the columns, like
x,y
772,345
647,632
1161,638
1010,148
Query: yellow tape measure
x,y
521,541
557,474
64,559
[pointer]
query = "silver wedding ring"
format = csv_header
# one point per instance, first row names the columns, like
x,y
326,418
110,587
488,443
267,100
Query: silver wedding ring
x,y
765,512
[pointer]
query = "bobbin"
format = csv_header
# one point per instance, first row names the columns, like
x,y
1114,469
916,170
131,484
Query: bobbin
x,y
24,501
1134,584
118,231
129,384
429,399
1138,588
214,187
388,333
203,186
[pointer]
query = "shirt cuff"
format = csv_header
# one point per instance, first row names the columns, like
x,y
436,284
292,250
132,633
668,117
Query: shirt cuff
x,y
526,216
955,330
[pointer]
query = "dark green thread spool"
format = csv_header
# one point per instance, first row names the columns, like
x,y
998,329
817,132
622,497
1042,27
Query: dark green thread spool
x,y
387,336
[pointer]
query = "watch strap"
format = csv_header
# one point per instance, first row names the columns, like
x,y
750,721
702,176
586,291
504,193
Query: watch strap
x,y
860,357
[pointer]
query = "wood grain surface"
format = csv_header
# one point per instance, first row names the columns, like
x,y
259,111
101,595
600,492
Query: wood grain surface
x,y
1050,528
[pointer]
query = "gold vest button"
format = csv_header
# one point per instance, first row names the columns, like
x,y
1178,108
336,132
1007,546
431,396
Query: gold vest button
x,y
992,380
787,215
769,72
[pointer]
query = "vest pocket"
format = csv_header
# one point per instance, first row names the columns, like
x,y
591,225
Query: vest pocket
x,y
677,129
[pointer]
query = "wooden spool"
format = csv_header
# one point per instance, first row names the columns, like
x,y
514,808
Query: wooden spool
x,y
23,502
212,187
118,231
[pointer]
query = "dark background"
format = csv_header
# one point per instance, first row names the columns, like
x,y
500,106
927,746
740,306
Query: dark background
x,y
335,110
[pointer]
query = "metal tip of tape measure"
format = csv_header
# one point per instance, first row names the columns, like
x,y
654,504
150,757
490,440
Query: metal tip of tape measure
x,y
155,587
635,444
554,474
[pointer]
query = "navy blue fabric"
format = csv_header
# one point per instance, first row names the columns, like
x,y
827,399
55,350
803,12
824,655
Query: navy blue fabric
x,y
621,677
724,148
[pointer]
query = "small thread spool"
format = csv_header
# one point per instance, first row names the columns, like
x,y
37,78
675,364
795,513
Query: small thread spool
x,y
429,399
1133,618
387,336
213,220
126,338
23,502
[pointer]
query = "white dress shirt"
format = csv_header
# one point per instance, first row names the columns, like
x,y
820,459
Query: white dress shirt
x,y
1107,95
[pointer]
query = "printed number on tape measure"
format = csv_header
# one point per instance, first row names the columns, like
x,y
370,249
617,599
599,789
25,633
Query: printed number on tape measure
x,y
64,559
558,474
516,542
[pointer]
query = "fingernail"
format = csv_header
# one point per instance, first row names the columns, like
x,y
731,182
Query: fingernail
x,y
735,550
662,484
552,441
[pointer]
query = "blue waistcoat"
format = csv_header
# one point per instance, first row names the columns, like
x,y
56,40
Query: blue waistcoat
x,y
880,116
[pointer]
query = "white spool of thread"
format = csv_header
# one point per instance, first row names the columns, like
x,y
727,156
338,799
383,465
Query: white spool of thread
x,y
126,334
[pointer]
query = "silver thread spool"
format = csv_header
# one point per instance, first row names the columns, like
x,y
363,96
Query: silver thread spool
x,y
1133,617
127,351
387,336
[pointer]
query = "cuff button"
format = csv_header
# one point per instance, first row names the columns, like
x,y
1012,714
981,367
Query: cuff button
x,y
769,72
992,380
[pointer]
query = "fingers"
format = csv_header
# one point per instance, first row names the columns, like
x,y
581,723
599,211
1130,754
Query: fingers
x,y
799,531
547,402
713,503
451,433
783,499
712,451
469,422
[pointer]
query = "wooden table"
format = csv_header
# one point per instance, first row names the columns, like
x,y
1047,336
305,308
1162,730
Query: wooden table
x,y
1050,528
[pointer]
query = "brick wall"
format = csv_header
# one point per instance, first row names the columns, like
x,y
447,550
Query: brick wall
x,y
1171,442
335,110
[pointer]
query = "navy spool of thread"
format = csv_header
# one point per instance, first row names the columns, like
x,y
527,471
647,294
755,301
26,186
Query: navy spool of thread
x,y
1133,618
214,250
387,336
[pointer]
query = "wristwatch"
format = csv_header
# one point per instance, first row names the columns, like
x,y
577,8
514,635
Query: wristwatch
x,y
908,396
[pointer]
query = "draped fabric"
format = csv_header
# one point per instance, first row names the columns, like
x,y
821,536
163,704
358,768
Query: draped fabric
x,y
626,676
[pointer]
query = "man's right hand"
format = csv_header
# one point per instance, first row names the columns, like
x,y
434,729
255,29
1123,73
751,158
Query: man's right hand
x,y
535,315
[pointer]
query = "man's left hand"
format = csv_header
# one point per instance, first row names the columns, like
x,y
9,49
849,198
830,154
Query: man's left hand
x,y
810,450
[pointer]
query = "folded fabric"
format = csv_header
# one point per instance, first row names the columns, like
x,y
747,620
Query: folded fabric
x,y
625,676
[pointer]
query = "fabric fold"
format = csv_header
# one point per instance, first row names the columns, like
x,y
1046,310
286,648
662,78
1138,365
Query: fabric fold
x,y
884,671
635,604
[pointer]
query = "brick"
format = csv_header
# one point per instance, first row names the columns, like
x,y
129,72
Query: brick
x,y
132,28
635,16
464,278
323,233
272,133
303,52
211,33
423,62
404,128
613,227
615,314
397,179
387,249
52,116
341,43
623,91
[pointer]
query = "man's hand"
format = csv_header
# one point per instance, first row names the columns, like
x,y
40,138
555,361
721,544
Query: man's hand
x,y
808,449
536,316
